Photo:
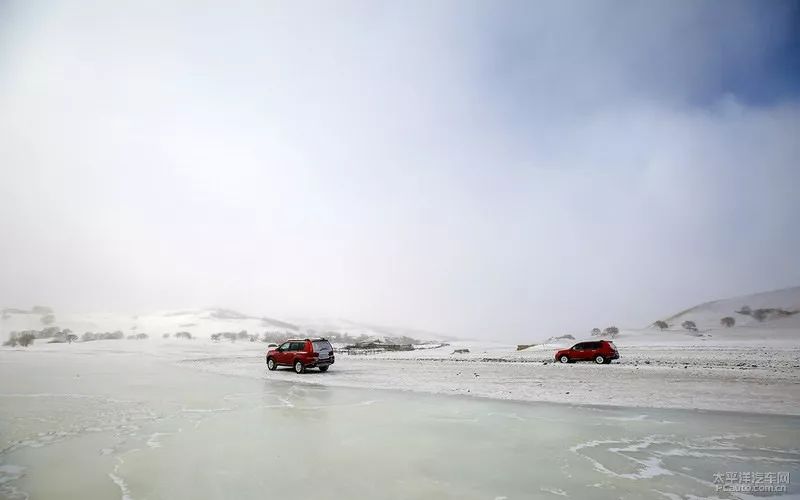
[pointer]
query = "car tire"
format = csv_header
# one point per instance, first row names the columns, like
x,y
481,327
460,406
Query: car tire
x,y
608,361
564,359
323,369
298,367
271,364
600,360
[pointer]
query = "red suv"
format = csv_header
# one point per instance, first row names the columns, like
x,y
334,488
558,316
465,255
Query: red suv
x,y
301,354
601,351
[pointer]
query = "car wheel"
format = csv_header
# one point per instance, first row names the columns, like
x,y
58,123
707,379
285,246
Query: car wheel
x,y
608,361
564,359
323,369
271,364
600,360
298,367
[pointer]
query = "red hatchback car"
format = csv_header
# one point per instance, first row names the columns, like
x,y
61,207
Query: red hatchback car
x,y
302,354
601,352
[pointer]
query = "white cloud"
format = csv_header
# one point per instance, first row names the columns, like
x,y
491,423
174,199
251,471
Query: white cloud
x,y
478,171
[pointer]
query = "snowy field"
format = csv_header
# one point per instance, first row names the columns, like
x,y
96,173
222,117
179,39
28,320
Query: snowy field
x,y
180,418
735,376
138,420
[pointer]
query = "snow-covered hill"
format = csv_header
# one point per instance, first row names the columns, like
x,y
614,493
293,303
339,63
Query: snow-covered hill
x,y
761,317
767,317
198,322
778,309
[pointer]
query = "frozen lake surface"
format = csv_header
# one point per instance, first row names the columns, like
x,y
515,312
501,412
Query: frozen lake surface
x,y
119,425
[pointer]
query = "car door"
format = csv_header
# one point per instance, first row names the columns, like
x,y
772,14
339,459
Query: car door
x,y
579,351
297,347
283,354
590,350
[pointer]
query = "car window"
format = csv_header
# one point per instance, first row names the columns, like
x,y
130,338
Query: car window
x,y
579,347
297,346
285,346
593,345
322,345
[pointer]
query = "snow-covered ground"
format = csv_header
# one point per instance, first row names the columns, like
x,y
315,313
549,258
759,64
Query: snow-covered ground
x,y
133,418
128,422
736,375
717,377
753,366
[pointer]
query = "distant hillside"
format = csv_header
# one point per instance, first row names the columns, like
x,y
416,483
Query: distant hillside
x,y
197,322
323,325
775,309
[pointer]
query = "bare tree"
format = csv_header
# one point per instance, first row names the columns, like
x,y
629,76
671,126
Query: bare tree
x,y
661,325
689,325
26,339
727,322
611,331
596,332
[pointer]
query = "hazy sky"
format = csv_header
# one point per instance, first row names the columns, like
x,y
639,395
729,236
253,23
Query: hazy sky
x,y
477,168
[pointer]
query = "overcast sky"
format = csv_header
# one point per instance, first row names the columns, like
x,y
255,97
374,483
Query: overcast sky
x,y
483,169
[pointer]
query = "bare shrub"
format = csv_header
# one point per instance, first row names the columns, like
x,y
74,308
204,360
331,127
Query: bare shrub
x,y
727,322
770,313
689,325
26,339
661,325
89,336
